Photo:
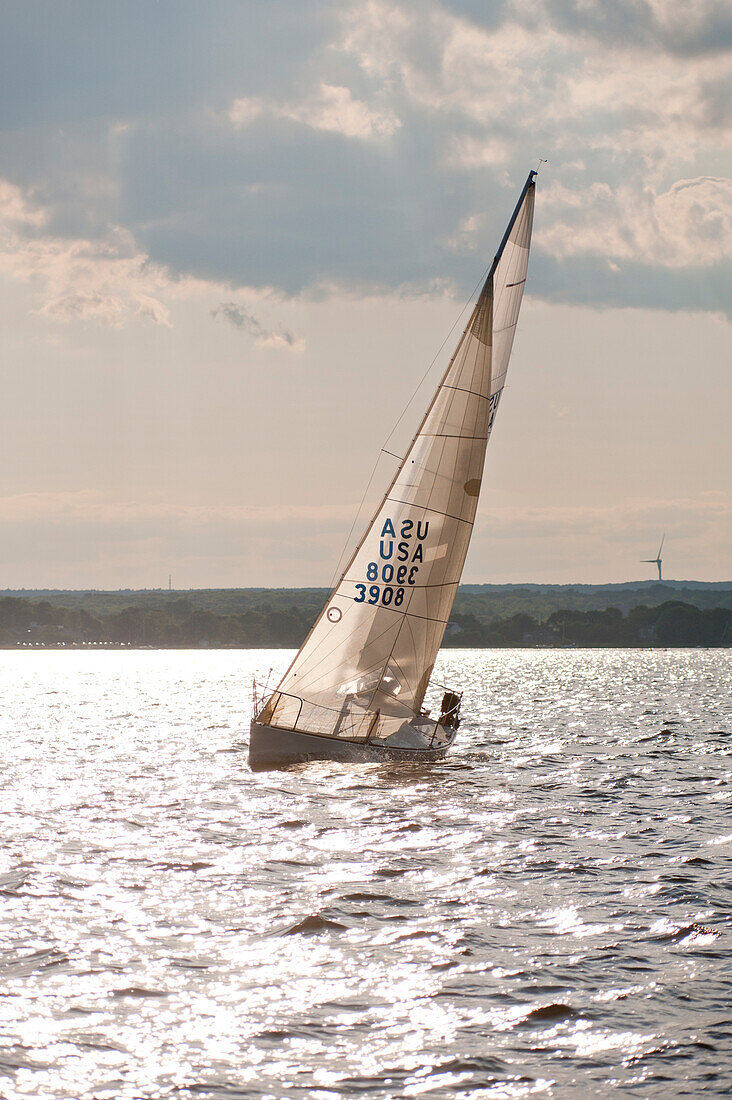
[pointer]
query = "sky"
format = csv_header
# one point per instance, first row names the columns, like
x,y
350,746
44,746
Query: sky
x,y
234,236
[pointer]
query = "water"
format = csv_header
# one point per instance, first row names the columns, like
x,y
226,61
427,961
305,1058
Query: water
x,y
546,913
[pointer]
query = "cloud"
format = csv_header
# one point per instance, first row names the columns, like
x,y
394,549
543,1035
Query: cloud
x,y
540,75
678,27
85,62
330,107
690,225
378,143
466,237
240,317
106,281
16,209
535,75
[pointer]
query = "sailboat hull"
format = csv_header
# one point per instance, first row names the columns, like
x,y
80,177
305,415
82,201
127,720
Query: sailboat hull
x,y
271,748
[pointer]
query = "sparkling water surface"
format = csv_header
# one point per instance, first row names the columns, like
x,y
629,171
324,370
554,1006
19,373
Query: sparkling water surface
x,y
545,913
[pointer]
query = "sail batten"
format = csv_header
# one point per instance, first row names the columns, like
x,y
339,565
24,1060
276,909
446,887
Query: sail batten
x,y
369,656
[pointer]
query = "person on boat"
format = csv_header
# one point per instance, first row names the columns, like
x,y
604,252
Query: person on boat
x,y
450,710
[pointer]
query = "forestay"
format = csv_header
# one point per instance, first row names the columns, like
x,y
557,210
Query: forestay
x,y
373,647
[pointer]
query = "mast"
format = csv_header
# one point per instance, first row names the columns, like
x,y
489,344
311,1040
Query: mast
x,y
529,183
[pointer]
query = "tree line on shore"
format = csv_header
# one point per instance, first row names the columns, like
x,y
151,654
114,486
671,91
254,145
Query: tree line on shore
x,y
177,623
486,602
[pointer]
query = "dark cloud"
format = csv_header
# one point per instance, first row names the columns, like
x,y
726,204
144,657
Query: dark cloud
x,y
717,103
591,281
241,318
99,59
290,207
682,29
116,114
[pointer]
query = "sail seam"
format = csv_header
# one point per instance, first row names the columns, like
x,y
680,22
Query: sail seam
x,y
426,508
424,618
442,584
413,588
461,389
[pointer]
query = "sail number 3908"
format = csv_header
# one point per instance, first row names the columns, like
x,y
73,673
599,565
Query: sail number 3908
x,y
387,595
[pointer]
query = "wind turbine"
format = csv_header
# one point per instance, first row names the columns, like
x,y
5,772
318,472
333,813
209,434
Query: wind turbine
x,y
656,560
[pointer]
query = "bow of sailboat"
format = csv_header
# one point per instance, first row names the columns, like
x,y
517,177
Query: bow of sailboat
x,y
360,677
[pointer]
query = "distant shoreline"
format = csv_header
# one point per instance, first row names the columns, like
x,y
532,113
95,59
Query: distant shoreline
x,y
484,617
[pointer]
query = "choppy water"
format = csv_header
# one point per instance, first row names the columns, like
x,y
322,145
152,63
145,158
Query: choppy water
x,y
545,913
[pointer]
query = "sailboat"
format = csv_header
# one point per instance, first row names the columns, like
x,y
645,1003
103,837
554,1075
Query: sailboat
x,y
355,690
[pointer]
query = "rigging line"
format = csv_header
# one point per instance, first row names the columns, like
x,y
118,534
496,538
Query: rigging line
x,y
401,675
337,570
309,670
419,385
416,661
313,688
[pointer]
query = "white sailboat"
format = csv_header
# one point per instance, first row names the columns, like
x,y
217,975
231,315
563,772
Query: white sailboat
x,y
356,687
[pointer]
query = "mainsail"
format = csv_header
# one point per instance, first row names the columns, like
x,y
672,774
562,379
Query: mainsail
x,y
364,668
